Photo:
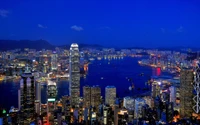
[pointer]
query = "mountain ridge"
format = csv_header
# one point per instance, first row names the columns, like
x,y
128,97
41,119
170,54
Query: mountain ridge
x,y
43,44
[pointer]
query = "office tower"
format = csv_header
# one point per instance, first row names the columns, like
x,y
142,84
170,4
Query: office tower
x,y
37,98
108,115
27,100
172,90
139,103
110,95
51,98
196,84
66,107
186,92
149,101
54,57
51,93
91,99
122,118
129,103
86,96
156,86
74,80
95,96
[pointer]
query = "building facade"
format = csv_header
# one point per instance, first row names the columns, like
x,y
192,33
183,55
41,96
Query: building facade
x,y
129,103
95,96
51,98
74,80
54,62
139,103
110,95
186,92
86,96
27,97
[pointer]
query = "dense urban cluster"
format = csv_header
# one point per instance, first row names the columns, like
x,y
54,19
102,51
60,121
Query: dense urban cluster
x,y
166,100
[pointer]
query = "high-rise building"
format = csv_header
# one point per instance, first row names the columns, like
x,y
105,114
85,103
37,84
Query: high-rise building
x,y
139,103
37,97
172,90
95,96
86,96
66,108
51,98
108,115
129,103
186,92
156,87
74,80
54,62
196,85
27,97
122,118
110,95
92,96
51,93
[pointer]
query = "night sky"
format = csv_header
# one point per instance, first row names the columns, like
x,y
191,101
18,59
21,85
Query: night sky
x,y
120,23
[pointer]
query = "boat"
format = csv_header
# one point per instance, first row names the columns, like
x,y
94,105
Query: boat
x,y
99,58
91,59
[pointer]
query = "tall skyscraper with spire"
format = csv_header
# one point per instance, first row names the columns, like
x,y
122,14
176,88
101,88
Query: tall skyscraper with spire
x,y
74,70
27,97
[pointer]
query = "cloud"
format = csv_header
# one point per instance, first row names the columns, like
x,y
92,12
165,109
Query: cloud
x,y
76,28
162,30
180,29
4,13
41,26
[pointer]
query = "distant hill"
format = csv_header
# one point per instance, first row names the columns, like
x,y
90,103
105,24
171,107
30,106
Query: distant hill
x,y
43,44
21,44
37,44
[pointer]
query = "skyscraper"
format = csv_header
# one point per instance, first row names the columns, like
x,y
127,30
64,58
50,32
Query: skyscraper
x,y
54,61
87,96
110,95
74,80
186,92
129,103
92,96
37,97
51,98
27,94
95,96
139,103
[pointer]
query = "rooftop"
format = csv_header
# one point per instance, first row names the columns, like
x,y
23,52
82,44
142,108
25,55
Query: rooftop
x,y
74,45
110,87
51,83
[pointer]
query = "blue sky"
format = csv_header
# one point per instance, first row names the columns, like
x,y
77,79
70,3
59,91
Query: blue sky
x,y
120,23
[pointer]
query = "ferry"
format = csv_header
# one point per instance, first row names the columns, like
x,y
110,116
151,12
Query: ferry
x,y
99,58
91,59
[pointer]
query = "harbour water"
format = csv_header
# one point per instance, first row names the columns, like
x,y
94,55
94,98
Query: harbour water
x,y
100,72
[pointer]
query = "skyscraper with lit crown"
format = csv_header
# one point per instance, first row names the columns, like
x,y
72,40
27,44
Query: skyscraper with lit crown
x,y
74,70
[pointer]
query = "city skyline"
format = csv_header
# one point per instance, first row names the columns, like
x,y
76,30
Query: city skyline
x,y
120,23
99,62
92,86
